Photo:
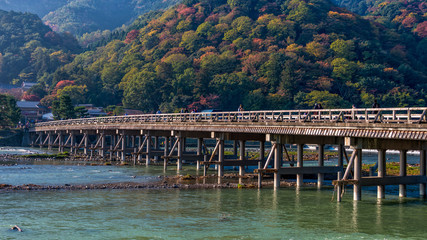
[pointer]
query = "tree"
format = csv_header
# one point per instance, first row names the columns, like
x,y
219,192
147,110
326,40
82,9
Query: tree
x,y
327,99
10,114
63,108
77,94
343,49
81,112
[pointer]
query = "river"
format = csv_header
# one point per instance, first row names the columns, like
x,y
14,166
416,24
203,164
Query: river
x,y
193,214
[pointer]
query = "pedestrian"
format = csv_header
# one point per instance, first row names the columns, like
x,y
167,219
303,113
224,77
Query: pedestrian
x,y
316,106
375,104
159,112
240,109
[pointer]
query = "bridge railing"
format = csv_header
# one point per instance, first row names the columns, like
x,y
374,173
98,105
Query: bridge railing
x,y
351,115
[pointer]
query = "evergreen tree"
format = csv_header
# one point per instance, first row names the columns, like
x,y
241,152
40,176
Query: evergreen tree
x,y
9,112
63,108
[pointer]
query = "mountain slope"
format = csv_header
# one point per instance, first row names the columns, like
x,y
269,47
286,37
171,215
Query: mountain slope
x,y
264,54
82,16
29,49
39,7
399,14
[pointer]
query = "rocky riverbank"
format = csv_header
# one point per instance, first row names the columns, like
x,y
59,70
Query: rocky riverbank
x,y
164,182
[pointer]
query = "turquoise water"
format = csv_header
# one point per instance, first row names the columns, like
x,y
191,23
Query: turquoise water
x,y
207,214
194,214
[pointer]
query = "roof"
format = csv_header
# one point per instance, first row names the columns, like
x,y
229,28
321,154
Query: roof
x,y
133,112
28,104
98,112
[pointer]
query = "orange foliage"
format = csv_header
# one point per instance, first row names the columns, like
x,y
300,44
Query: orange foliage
x,y
421,29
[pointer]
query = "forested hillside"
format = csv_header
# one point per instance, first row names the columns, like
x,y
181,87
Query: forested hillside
x,y
264,54
29,49
401,15
39,7
83,16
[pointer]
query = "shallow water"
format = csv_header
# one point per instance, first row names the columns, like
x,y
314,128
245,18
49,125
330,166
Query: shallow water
x,y
194,214
207,214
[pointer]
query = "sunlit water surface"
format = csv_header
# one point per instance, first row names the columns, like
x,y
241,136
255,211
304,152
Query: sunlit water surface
x,y
193,214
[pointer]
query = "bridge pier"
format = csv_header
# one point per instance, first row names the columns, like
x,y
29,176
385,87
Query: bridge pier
x,y
179,160
321,163
357,188
148,150
199,152
300,164
423,172
381,172
262,152
220,157
60,142
277,163
49,141
402,172
242,153
123,144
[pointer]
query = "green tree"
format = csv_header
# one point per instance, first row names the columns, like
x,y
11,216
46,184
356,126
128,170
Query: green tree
x,y
343,49
63,108
10,114
81,112
327,99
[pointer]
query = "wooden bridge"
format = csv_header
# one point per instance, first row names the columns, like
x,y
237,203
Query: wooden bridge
x,y
168,136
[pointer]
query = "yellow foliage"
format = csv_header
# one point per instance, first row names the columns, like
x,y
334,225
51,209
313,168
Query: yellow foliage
x,y
383,4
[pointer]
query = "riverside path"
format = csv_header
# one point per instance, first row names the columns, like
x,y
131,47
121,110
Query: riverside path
x,y
183,138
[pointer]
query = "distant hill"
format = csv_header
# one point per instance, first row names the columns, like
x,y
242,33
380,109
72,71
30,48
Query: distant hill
x,y
29,49
264,54
39,7
82,16
402,15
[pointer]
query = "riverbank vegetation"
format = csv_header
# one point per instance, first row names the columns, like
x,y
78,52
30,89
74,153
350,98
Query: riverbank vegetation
x,y
62,155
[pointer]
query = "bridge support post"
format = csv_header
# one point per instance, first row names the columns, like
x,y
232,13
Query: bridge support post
x,y
402,173
277,163
49,141
140,141
321,163
60,142
148,156
179,148
72,142
357,189
262,152
381,172
123,157
166,152
242,157
235,147
199,152
339,187
41,140
103,145
86,143
300,163
340,155
220,158
423,172
156,147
